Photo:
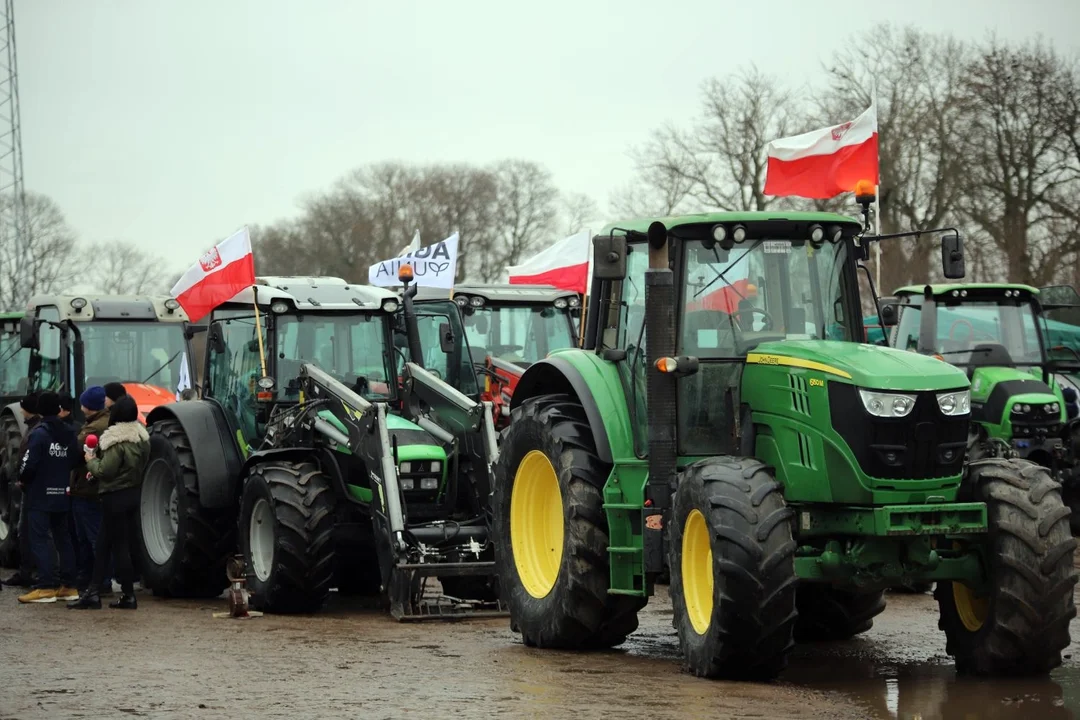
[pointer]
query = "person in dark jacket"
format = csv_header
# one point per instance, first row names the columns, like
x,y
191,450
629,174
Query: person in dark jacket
x,y
66,406
113,392
25,575
85,505
116,466
45,474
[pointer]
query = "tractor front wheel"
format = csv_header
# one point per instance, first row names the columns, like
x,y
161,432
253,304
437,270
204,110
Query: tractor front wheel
x,y
10,439
550,531
732,570
1021,625
827,613
287,536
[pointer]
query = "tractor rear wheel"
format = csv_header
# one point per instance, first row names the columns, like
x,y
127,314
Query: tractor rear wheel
x,y
550,531
826,613
732,561
10,439
287,536
183,546
1021,625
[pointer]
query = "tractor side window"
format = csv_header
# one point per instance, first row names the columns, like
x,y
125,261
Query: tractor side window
x,y
50,372
632,338
234,372
456,367
907,327
12,365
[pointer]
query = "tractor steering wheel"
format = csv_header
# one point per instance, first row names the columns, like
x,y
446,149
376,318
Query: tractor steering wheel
x,y
752,310
962,321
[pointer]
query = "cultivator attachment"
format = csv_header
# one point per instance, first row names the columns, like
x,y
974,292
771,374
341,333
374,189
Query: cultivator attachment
x,y
414,597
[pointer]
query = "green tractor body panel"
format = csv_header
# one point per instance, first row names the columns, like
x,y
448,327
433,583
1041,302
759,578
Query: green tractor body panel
x,y
997,417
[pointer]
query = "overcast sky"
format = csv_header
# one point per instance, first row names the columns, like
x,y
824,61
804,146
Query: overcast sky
x,y
171,124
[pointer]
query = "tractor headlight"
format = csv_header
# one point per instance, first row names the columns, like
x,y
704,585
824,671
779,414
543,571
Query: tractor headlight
x,y
560,303
407,483
955,403
1052,408
887,405
429,483
575,301
406,467
436,466
390,305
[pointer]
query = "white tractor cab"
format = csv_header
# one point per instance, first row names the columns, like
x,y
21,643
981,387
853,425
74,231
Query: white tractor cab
x,y
73,342
518,324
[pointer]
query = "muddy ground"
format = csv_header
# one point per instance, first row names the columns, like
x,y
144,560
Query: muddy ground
x,y
172,659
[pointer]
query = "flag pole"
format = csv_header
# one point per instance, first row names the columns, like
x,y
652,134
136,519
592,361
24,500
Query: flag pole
x,y
258,330
877,195
585,295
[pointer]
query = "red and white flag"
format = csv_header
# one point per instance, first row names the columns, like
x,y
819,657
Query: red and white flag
x,y
218,276
827,162
564,265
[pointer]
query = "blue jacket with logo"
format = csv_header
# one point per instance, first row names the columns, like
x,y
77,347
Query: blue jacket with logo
x,y
45,473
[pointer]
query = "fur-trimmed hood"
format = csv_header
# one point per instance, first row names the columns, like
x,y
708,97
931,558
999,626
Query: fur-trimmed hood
x,y
131,432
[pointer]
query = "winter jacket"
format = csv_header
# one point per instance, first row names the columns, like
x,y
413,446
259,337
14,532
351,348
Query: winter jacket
x,y
31,423
122,453
46,467
96,424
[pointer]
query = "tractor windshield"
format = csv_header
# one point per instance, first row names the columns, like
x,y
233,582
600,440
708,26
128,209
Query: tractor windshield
x,y
982,332
133,352
521,334
760,291
352,347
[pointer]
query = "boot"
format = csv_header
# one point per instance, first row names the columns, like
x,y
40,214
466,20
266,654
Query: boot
x,y
126,602
89,600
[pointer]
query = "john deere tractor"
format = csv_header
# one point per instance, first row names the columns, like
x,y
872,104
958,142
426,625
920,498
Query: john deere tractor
x,y
342,462
1000,336
67,343
788,472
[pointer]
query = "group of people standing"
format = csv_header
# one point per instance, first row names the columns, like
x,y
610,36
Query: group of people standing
x,y
79,500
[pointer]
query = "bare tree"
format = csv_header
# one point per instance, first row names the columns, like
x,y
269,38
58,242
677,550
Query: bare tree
x,y
120,268
720,162
43,261
919,78
575,210
1020,135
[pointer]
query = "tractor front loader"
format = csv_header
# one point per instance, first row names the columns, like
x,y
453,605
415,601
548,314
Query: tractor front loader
x,y
787,471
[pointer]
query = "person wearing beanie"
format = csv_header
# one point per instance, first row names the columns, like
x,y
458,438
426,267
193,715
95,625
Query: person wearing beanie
x,y
85,505
25,575
117,466
66,406
113,392
44,475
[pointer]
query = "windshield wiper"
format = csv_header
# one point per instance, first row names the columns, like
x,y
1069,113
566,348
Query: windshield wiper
x,y
957,352
167,364
720,275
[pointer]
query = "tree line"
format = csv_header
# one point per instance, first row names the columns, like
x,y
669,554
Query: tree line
x,y
983,136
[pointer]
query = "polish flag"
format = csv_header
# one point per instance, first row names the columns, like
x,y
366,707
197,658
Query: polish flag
x,y
564,265
824,163
218,276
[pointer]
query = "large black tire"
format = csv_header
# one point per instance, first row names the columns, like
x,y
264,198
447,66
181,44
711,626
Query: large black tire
x,y
293,504
194,566
577,612
1029,553
826,613
736,511
10,439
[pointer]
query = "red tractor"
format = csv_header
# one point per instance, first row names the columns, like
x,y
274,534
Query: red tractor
x,y
508,328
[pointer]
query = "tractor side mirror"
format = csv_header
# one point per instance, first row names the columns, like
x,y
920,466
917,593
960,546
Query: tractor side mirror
x,y
952,256
887,314
28,333
216,339
191,331
446,338
609,257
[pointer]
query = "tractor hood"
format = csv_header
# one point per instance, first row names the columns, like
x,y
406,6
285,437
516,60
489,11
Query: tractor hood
x,y
148,397
984,380
867,366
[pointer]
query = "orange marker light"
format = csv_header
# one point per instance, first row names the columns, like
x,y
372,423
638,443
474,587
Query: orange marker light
x,y
405,273
666,365
751,289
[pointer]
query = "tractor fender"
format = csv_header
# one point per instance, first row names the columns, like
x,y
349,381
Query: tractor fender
x,y
217,458
558,375
323,456
15,411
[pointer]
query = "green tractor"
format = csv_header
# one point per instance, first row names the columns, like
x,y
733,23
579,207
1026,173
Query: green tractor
x,y
1014,356
339,460
789,472
13,360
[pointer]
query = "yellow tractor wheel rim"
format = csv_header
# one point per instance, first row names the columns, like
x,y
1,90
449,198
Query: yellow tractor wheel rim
x,y
970,608
536,524
697,572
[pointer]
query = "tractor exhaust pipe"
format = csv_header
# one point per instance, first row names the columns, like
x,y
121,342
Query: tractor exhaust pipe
x,y
660,387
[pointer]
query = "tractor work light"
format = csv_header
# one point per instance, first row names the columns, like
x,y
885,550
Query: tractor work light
x,y
575,301
476,301
406,467
462,300
172,304
719,232
887,405
834,233
817,234
78,303
560,303
279,307
390,305
436,466
266,382
738,233
955,403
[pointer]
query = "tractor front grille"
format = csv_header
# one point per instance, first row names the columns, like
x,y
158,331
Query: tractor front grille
x,y
924,445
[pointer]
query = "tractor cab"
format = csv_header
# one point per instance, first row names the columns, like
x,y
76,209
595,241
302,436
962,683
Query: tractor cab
x,y
13,360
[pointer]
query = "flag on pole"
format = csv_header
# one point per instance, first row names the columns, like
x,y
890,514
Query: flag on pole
x,y
411,247
220,274
564,265
824,163
433,266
